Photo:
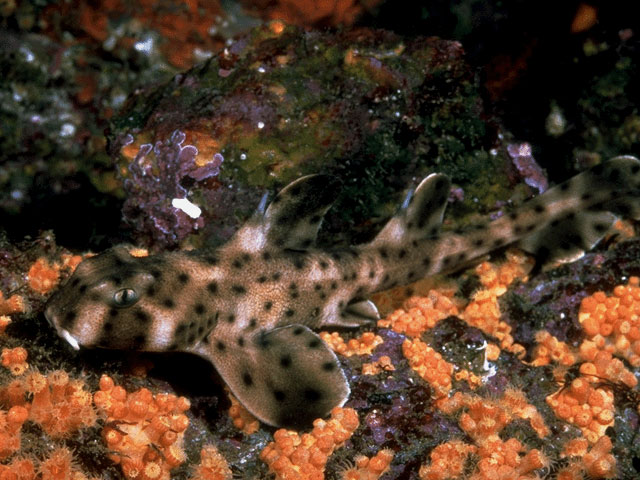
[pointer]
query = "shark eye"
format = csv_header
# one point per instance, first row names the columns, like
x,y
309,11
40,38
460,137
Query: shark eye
x,y
125,297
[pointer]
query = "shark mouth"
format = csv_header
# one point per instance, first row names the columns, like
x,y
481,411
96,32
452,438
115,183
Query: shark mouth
x,y
70,338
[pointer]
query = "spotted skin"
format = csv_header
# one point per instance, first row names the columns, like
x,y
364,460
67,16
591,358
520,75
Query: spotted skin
x,y
250,306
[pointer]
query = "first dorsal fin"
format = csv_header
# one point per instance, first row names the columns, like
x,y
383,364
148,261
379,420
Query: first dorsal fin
x,y
292,219
421,216
285,377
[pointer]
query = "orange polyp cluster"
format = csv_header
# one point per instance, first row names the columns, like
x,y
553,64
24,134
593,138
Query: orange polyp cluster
x,y
595,463
213,466
19,469
613,323
515,401
369,468
15,359
364,345
599,462
496,278
10,427
292,456
242,418
430,365
600,364
11,305
5,320
383,364
420,314
447,461
550,349
505,460
575,448
58,466
483,312
144,431
43,276
485,418
60,405
590,409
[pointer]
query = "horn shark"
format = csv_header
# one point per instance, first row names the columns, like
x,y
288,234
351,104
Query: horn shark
x,y
250,306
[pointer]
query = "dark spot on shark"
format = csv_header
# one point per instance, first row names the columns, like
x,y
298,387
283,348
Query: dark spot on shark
x,y
211,260
276,276
168,303
142,316
285,361
383,252
212,287
539,208
290,312
231,318
69,318
279,395
312,395
238,289
183,278
328,366
241,341
220,346
266,256
151,290
314,343
199,308
262,279
268,305
247,379
323,265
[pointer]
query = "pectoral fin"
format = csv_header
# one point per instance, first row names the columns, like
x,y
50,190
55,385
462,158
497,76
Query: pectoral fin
x,y
285,377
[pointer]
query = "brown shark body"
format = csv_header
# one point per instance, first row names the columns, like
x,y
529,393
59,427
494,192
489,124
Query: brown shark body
x,y
249,306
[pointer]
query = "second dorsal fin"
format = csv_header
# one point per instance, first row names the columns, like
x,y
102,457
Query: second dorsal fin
x,y
420,216
292,219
